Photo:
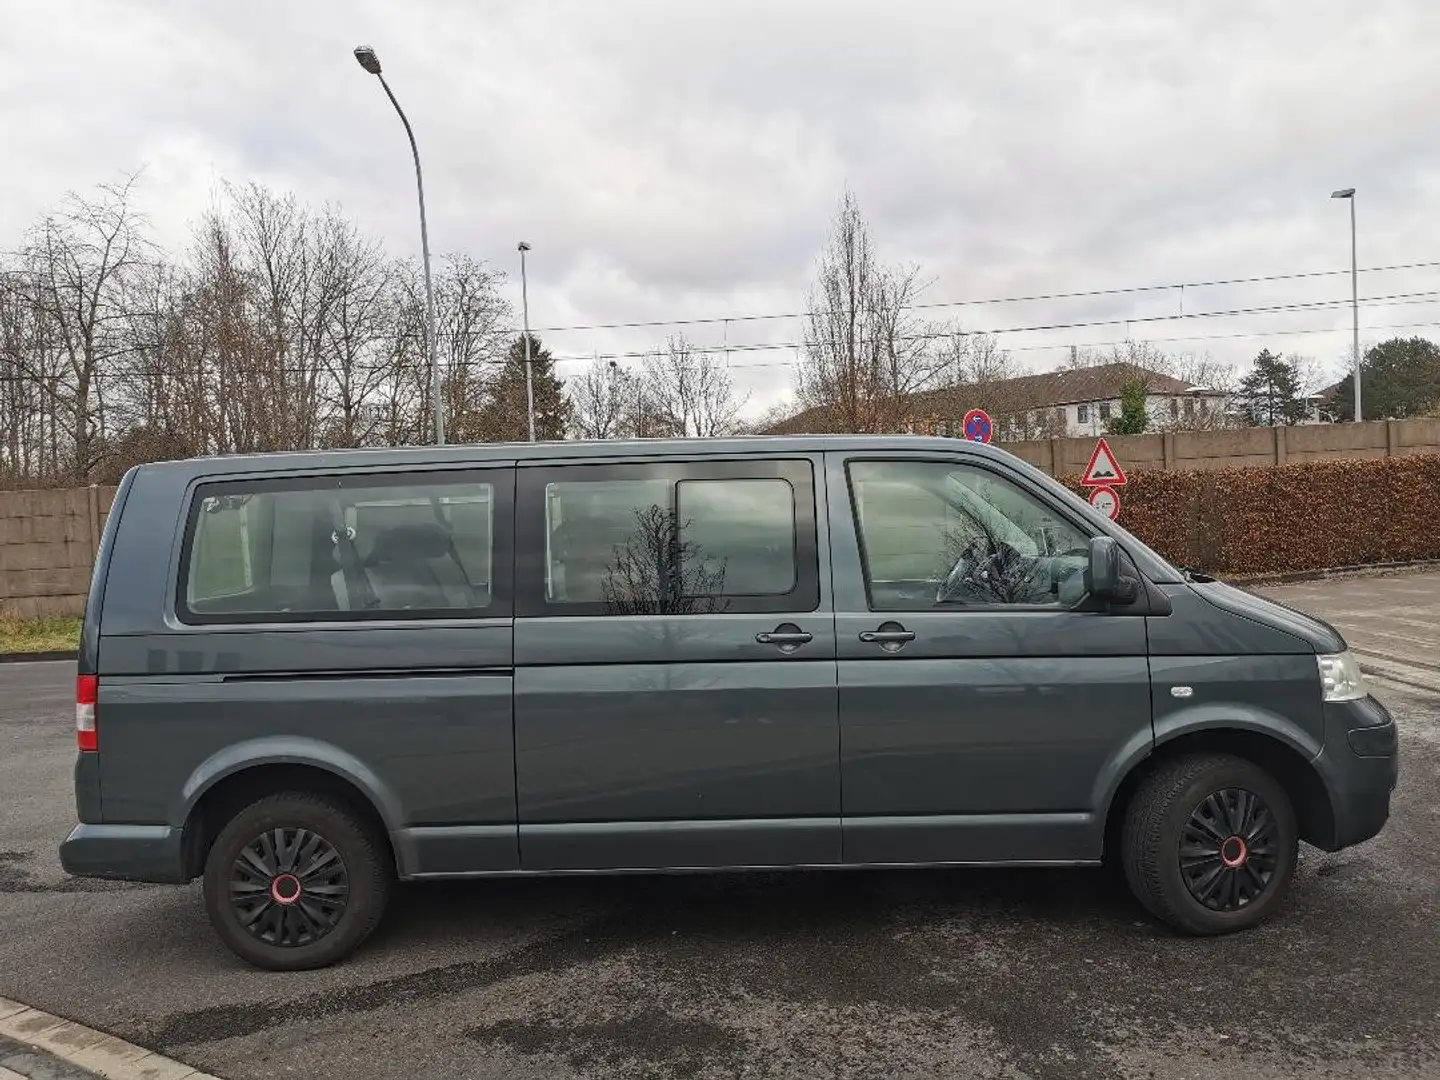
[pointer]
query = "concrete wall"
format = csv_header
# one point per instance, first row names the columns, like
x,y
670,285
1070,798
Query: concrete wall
x,y
48,541
1242,448
48,538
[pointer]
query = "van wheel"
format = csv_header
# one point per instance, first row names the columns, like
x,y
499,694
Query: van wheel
x,y
1210,843
296,881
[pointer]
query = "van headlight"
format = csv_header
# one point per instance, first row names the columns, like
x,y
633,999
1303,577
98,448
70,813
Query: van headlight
x,y
1341,678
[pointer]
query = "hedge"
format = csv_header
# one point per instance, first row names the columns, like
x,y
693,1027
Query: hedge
x,y
1288,518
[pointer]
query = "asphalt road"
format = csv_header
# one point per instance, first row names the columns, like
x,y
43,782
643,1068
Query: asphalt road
x,y
926,973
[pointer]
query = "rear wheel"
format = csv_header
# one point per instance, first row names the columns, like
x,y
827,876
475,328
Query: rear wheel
x,y
296,881
1210,843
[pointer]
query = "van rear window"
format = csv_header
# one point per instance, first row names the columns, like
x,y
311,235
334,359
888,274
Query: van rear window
x,y
340,549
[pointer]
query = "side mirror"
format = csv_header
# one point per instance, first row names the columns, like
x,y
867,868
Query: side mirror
x,y
1107,580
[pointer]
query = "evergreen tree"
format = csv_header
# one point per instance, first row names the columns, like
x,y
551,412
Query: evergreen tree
x,y
1398,378
1270,395
1133,418
504,417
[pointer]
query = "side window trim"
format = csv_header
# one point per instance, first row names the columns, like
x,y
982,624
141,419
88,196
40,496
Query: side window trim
x,y
1040,497
499,477
532,534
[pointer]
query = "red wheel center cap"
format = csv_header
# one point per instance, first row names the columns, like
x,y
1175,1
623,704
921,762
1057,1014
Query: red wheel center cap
x,y
285,889
1233,852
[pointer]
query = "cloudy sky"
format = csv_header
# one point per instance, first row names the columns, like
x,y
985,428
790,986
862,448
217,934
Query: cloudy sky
x,y
671,159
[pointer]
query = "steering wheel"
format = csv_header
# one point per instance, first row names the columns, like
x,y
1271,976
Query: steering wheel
x,y
981,567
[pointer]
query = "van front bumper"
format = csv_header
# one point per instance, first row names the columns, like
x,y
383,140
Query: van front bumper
x,y
125,853
1361,766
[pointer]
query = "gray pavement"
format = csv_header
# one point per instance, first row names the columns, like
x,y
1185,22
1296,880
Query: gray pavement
x,y
908,974
1392,621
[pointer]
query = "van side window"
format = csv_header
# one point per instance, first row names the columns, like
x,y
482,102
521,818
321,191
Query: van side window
x,y
738,535
344,548
936,535
671,538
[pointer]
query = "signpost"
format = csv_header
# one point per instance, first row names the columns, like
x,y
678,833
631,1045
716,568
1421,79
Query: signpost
x,y
1103,476
1106,500
977,425
1103,470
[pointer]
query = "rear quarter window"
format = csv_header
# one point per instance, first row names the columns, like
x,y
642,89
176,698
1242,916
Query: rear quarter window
x,y
340,549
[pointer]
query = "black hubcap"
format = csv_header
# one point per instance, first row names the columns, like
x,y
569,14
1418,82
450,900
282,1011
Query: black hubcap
x,y
1229,849
288,887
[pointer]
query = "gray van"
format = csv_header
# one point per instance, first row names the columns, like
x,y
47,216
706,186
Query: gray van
x,y
304,677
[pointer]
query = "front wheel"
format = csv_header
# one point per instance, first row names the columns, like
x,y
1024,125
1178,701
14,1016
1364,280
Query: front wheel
x,y
1210,843
296,881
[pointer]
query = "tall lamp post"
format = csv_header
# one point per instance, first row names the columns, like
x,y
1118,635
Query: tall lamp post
x,y
523,247
371,63
1349,193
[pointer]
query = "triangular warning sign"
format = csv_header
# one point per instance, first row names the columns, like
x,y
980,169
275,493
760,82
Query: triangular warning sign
x,y
1104,470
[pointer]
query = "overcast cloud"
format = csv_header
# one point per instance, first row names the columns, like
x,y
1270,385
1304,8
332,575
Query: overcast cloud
x,y
677,159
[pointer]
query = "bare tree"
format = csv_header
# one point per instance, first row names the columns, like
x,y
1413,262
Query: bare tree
x,y
470,313
972,359
865,351
359,304
600,402
768,420
688,394
72,276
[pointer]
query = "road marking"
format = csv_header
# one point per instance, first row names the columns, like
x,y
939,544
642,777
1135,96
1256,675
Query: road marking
x,y
1409,638
86,1048
1410,676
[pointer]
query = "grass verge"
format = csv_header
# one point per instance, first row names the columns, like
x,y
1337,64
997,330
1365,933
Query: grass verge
x,y
39,635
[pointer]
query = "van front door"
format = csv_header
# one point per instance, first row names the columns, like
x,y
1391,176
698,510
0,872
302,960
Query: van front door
x,y
675,700
983,694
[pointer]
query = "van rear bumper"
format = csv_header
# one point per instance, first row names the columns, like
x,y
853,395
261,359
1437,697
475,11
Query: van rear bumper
x,y
125,853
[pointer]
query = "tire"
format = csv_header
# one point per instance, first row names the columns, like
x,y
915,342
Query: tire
x,y
1205,802
315,916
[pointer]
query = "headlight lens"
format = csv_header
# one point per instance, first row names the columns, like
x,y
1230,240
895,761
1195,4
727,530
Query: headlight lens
x,y
1341,679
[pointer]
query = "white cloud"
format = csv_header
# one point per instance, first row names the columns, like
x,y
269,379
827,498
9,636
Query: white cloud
x,y
682,160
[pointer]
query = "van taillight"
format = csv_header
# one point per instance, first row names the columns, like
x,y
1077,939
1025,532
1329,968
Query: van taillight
x,y
87,688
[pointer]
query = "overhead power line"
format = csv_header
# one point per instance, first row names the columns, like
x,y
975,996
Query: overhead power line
x,y
1174,286
1393,299
373,369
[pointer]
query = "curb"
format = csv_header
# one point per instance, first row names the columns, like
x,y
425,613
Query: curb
x,y
35,657
93,1052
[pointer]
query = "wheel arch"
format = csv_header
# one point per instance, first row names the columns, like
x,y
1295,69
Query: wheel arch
x,y
227,783
1290,764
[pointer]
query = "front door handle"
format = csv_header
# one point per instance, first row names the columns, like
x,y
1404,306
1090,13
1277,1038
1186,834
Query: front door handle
x,y
787,635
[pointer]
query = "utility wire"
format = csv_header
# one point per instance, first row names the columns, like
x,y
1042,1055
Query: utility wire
x,y
1077,295
1249,334
1394,299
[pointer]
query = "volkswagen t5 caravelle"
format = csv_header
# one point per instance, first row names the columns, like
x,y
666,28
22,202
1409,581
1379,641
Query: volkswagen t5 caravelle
x,y
304,677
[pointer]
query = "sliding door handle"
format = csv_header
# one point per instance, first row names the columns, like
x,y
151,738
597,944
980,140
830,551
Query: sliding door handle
x,y
787,635
890,636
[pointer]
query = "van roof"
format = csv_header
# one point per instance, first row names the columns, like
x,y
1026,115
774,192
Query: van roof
x,y
461,454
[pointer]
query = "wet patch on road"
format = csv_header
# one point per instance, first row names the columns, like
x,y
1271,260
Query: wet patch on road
x,y
646,1042
1041,974
16,877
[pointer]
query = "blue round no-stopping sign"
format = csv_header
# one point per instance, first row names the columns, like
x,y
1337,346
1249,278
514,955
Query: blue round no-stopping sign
x,y
977,425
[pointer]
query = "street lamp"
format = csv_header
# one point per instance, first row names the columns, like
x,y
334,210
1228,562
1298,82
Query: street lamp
x,y
1349,193
523,247
371,63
